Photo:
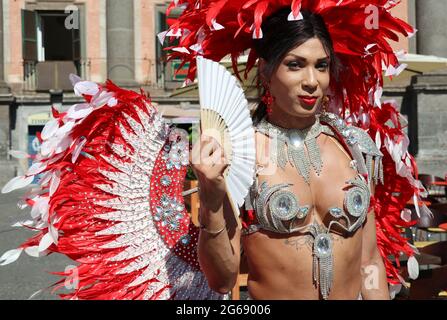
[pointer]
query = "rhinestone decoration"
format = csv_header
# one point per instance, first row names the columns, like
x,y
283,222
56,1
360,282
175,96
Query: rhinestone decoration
x,y
352,139
346,133
302,212
336,212
360,145
169,212
166,181
283,205
356,202
357,199
323,245
295,138
176,155
323,263
185,240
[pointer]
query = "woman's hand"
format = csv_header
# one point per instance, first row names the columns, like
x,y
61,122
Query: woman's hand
x,y
208,163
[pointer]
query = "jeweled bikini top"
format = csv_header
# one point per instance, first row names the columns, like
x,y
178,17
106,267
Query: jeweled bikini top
x,y
277,209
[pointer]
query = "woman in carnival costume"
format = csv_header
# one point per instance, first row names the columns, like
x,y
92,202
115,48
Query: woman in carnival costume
x,y
323,217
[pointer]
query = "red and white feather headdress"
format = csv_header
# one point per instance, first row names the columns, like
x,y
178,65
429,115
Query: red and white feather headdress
x,y
359,29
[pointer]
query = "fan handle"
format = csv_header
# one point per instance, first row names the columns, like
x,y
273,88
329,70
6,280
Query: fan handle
x,y
234,205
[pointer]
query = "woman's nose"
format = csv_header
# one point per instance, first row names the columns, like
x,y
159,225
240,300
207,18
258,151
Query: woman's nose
x,y
310,82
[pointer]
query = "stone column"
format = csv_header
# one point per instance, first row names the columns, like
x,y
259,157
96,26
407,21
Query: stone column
x,y
3,87
431,25
120,42
412,46
5,101
430,89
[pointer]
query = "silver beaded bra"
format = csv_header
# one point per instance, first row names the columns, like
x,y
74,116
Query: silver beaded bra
x,y
278,209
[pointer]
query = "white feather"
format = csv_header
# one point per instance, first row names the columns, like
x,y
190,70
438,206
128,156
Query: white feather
x,y
395,289
45,178
47,148
53,233
400,69
197,48
416,205
112,102
21,204
74,79
33,251
176,34
378,140
181,49
86,87
45,242
217,26
36,168
10,256
35,294
162,36
63,144
291,17
17,183
79,111
66,128
55,180
18,154
20,224
50,129
377,96
101,99
77,150
413,268
40,207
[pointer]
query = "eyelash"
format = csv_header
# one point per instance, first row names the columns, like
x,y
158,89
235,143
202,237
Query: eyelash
x,y
295,65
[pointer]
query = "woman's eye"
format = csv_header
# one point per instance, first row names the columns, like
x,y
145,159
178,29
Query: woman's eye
x,y
293,65
323,66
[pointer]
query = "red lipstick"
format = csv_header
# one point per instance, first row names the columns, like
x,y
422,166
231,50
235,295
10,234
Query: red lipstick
x,y
310,101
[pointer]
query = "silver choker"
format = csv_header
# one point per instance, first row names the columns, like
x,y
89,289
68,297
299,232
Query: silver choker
x,y
290,146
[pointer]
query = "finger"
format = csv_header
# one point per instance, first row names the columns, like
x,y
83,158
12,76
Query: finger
x,y
207,151
215,142
219,169
218,153
196,153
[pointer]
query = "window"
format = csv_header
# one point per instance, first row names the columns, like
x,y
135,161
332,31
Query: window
x,y
51,48
166,71
46,38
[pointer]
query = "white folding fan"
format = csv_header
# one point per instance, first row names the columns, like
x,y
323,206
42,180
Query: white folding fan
x,y
224,110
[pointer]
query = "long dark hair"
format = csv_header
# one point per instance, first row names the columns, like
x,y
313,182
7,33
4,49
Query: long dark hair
x,y
281,36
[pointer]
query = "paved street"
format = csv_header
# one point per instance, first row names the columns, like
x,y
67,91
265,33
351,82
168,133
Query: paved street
x,y
27,275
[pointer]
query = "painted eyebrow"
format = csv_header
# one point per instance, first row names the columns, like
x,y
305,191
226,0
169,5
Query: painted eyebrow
x,y
305,60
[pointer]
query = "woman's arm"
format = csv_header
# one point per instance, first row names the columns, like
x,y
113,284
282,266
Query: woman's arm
x,y
374,281
219,239
219,255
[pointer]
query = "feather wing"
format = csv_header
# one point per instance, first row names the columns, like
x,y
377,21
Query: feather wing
x,y
110,198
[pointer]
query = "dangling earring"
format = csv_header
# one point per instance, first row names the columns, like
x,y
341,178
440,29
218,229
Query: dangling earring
x,y
325,104
268,100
